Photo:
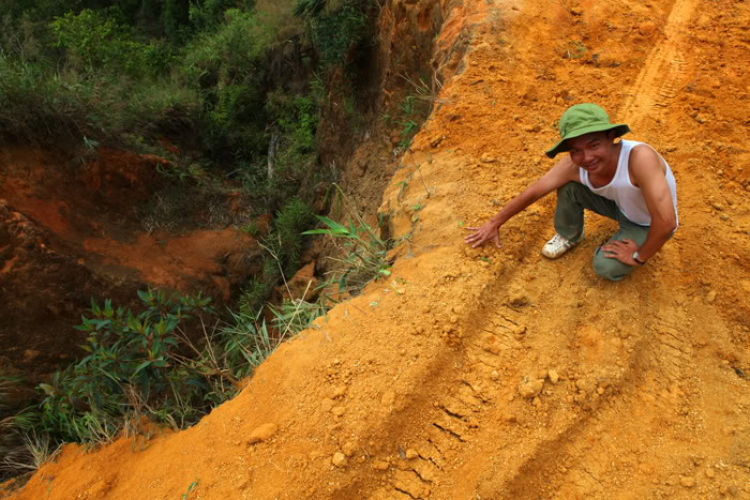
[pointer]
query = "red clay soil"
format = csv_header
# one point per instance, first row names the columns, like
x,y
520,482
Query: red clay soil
x,y
68,232
417,388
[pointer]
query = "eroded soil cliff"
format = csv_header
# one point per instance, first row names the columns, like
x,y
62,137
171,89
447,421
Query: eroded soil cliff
x,y
72,231
639,389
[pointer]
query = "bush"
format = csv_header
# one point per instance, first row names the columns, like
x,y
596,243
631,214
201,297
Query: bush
x,y
297,118
128,354
209,14
163,362
93,41
290,222
335,31
365,253
137,363
40,106
226,68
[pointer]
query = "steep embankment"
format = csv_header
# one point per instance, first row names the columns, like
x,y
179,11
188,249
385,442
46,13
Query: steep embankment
x,y
412,389
68,232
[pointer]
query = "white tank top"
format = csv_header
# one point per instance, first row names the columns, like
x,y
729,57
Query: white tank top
x,y
629,198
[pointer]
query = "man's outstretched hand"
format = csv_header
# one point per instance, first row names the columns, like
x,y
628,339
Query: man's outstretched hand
x,y
485,232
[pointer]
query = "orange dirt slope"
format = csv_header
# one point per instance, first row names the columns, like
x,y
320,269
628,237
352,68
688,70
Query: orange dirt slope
x,y
413,389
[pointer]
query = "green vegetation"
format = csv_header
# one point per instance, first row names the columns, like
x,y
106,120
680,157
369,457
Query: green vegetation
x,y
190,489
296,315
134,359
203,70
575,50
251,228
238,88
283,248
22,449
215,76
408,126
366,257
365,253
290,223
163,362
334,30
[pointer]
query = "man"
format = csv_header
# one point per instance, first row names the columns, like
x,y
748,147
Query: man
x,y
627,181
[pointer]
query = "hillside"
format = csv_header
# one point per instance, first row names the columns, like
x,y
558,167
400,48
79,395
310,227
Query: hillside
x,y
411,390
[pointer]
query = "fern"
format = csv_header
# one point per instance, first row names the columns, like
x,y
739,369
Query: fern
x,y
291,221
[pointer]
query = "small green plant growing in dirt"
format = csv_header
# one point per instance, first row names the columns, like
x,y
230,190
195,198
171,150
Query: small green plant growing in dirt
x,y
296,315
408,126
290,221
246,342
22,451
190,489
366,254
402,190
251,228
416,106
576,50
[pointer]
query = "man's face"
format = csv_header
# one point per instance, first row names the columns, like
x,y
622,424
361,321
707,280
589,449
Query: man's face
x,y
593,152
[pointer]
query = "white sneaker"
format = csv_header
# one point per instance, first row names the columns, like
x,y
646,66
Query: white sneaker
x,y
558,245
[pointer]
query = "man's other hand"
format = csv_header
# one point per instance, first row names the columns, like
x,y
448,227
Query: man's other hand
x,y
485,232
621,250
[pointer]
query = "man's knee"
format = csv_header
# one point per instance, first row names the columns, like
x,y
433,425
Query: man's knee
x,y
569,189
611,269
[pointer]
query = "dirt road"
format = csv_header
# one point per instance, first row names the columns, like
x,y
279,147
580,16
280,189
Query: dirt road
x,y
494,373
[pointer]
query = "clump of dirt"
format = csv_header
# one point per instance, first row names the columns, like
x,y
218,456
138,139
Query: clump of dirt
x,y
494,373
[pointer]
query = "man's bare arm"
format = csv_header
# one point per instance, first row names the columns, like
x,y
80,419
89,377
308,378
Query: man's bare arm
x,y
649,175
563,172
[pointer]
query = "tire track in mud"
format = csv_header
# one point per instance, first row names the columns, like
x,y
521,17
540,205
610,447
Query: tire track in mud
x,y
459,388
665,71
455,408
588,351
657,351
580,462
564,461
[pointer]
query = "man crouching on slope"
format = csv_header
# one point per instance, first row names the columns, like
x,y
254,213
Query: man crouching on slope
x,y
627,181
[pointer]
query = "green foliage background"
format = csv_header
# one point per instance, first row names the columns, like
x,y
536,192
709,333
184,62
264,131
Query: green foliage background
x,y
239,89
216,76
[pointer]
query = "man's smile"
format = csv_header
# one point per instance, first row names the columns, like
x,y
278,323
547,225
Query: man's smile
x,y
591,166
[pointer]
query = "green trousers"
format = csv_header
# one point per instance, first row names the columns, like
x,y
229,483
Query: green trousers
x,y
572,199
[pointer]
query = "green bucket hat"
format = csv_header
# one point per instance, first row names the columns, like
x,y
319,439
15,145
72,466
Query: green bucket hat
x,y
584,119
